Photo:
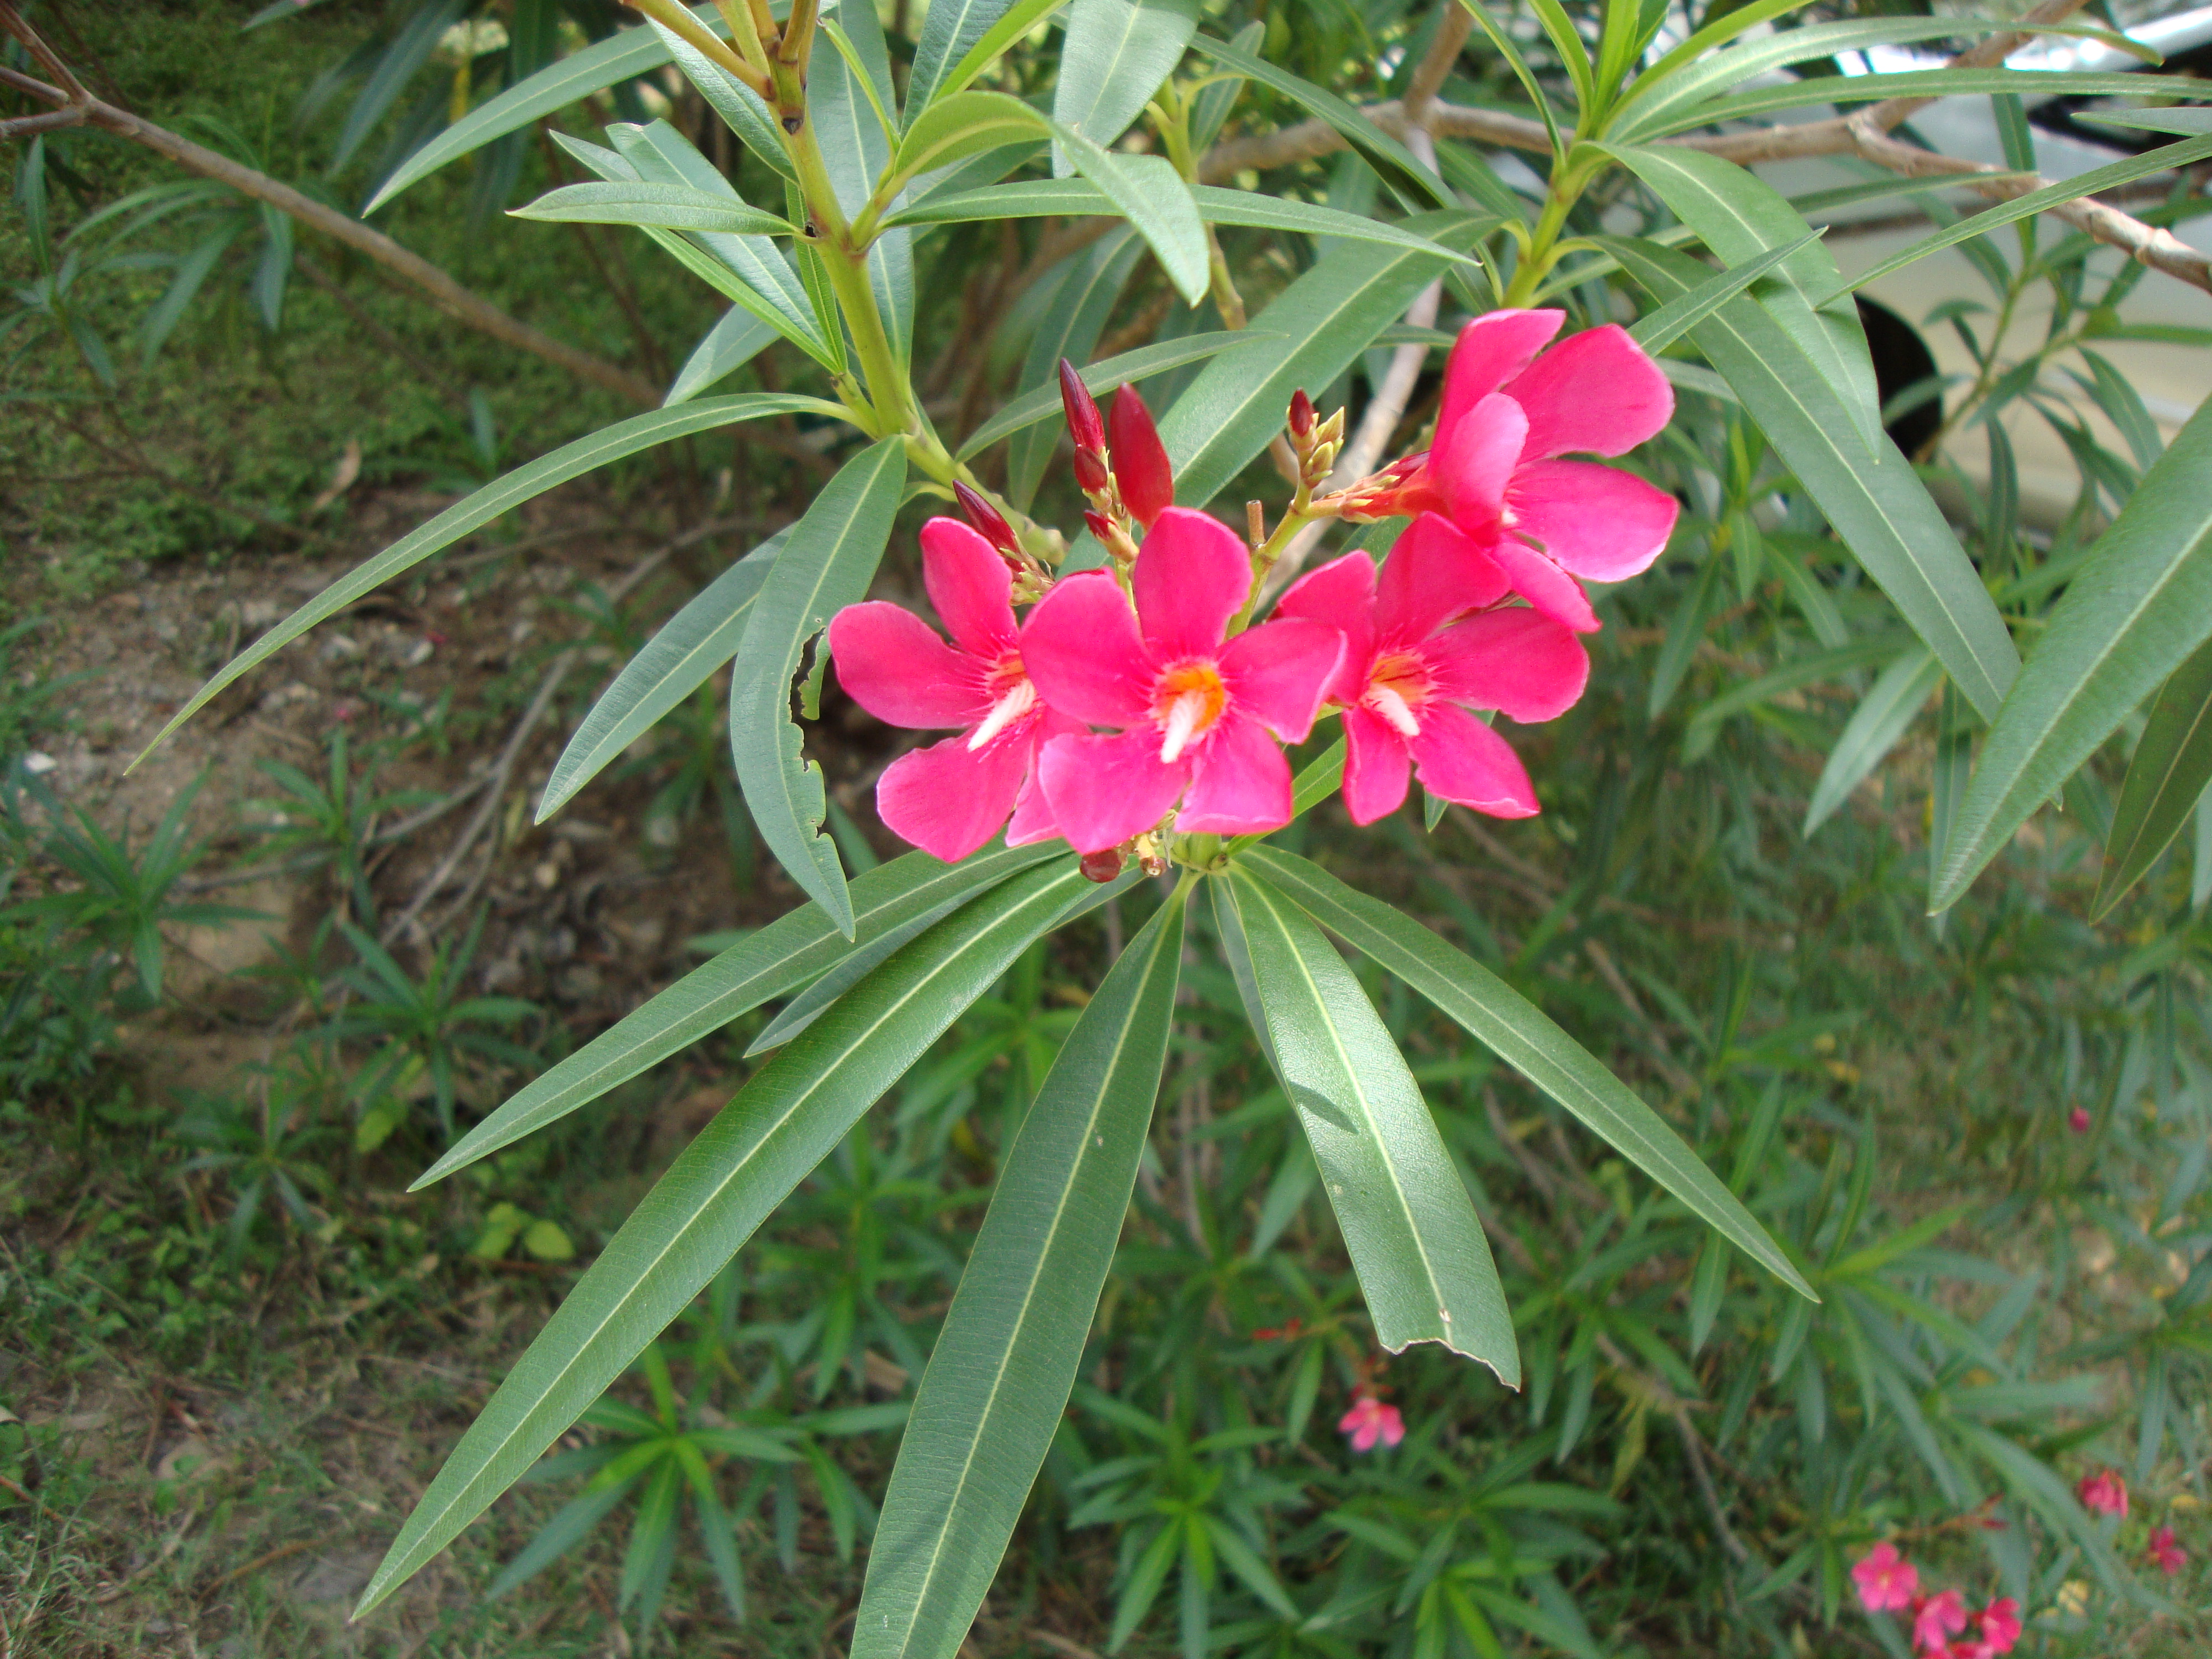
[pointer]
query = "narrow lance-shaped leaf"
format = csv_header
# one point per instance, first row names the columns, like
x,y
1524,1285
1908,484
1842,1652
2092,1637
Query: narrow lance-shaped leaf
x,y
998,1377
678,207
1940,84
1657,330
502,495
795,1110
959,39
1898,693
2140,607
728,346
1524,1037
795,948
826,565
1412,1231
2171,765
1112,60
1147,192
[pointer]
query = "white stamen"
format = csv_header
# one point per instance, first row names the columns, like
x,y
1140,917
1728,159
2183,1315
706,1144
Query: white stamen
x,y
1020,697
1184,715
1392,708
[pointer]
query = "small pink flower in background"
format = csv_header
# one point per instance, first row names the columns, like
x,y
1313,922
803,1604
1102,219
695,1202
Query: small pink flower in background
x,y
2078,1120
1412,668
1886,1582
1935,1620
2166,1550
1999,1628
2103,1493
950,798
1509,413
1196,713
1369,1420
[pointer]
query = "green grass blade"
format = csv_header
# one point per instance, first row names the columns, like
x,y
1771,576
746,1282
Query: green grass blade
x,y
721,1188
998,1377
1524,1037
1414,1238
2137,611
826,564
2173,763
795,948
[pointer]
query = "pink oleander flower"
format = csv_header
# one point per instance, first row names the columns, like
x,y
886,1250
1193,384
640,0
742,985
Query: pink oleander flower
x,y
2078,1120
2103,1493
1935,1620
1886,1582
950,798
1997,1627
1369,1420
1413,667
1494,468
2166,1550
1196,713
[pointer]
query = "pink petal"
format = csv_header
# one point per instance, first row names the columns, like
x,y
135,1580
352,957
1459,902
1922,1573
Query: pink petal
x,y
1242,785
949,799
1596,521
971,588
1191,577
1489,351
1341,594
1463,760
1104,790
1033,820
1376,768
1597,391
1522,663
1276,673
1544,585
1435,571
894,666
1473,467
1081,646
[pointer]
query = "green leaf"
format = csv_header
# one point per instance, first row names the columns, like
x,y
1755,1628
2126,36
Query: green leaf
x,y
827,562
1412,1231
796,1108
1740,216
803,1010
740,107
622,56
998,1377
1103,376
1112,60
1810,670
726,347
571,460
1871,496
1657,329
1939,83
1900,692
676,207
856,150
1520,1034
964,125
1320,323
690,646
1023,199
2057,195
791,951
1147,192
2171,765
960,39
2156,120
2137,611
1072,317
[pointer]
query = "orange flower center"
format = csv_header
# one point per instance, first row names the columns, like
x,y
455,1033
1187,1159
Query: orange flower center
x,y
1398,685
1187,700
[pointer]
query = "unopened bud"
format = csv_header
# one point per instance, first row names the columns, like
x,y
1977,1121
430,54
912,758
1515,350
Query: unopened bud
x,y
1090,474
1302,413
1083,422
1330,430
1140,460
1099,526
989,523
1102,867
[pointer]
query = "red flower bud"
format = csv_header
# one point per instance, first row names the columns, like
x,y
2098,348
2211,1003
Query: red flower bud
x,y
1101,867
1083,422
989,523
1302,412
1090,471
1098,524
1140,461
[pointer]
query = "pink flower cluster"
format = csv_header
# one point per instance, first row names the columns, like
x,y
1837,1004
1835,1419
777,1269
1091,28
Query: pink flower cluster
x,y
1132,693
1371,1420
2106,1492
1942,1628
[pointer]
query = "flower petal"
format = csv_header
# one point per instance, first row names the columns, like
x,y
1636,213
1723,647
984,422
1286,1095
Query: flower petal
x,y
1341,594
1489,351
894,666
1033,820
1103,790
1526,665
948,799
1596,521
1544,585
1435,571
1243,783
1463,760
1597,391
1191,577
1277,673
971,588
1081,646
1471,468
1376,768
